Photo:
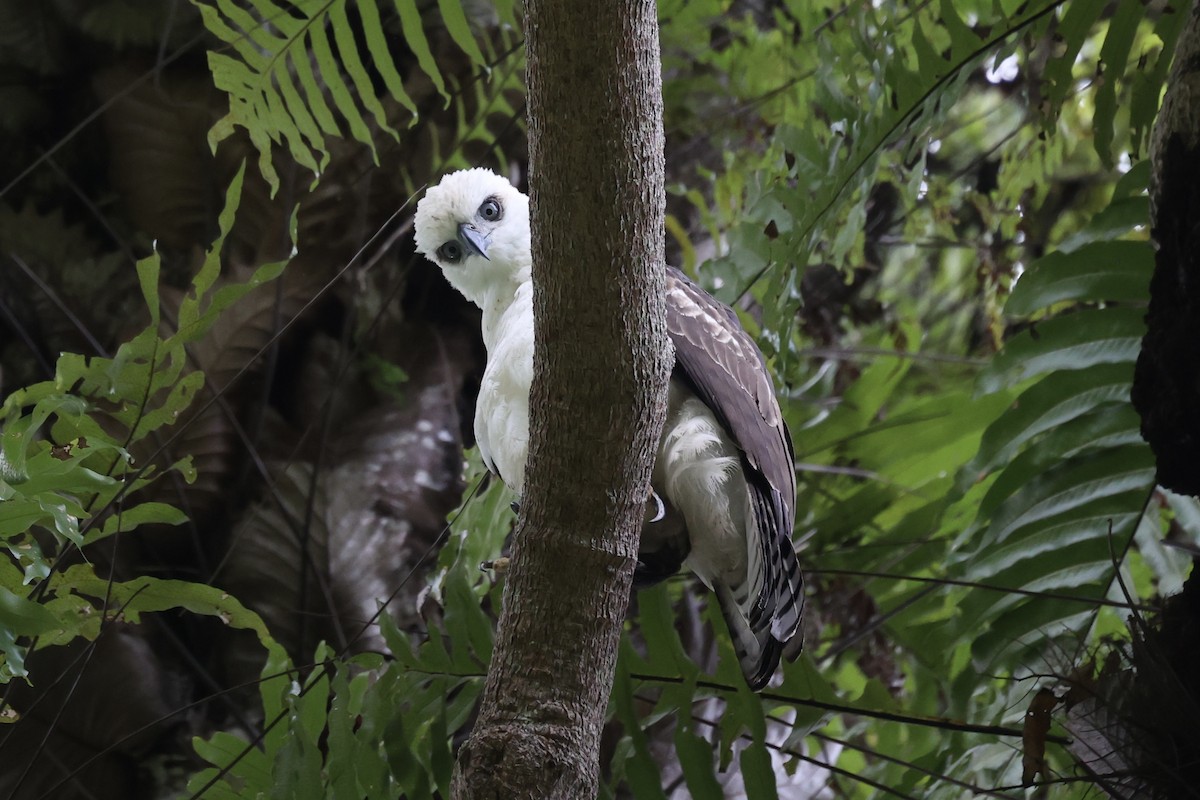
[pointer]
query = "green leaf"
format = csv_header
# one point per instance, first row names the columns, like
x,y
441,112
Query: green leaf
x,y
1122,216
1113,57
696,759
1070,341
757,772
1053,401
126,519
1070,487
348,52
147,270
414,36
1148,83
23,617
1094,272
641,770
460,31
1108,426
657,621
144,593
274,93
963,41
1073,28
377,45
247,763
1048,536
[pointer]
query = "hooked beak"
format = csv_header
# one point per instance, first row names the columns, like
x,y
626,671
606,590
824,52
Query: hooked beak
x,y
472,240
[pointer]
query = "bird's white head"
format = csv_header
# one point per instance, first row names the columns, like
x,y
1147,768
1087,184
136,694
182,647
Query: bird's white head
x,y
475,226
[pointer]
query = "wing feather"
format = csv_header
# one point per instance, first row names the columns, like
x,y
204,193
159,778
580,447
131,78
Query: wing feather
x,y
726,370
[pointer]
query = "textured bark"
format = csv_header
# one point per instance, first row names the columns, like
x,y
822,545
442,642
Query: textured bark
x,y
1166,387
598,399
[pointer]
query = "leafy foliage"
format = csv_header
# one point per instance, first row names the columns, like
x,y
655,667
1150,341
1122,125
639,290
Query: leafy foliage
x,y
932,214
366,725
70,482
286,75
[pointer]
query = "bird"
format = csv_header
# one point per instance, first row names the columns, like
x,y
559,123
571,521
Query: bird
x,y
723,495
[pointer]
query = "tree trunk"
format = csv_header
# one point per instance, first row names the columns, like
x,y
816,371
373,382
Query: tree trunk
x,y
599,396
1166,392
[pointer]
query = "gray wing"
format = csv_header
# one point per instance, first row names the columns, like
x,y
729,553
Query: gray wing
x,y
722,364
726,369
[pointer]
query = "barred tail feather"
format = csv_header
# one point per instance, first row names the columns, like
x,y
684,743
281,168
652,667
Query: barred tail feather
x,y
756,649
763,614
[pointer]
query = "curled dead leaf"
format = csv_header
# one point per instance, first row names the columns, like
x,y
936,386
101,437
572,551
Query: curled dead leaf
x,y
1033,736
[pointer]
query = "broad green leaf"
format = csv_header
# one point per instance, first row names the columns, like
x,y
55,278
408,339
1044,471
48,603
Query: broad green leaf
x,y
470,629
1124,215
657,621
1025,632
1111,426
148,270
1054,400
1069,341
1148,83
1068,489
24,617
696,759
1095,272
758,772
247,762
126,519
640,768
964,42
142,594
1073,28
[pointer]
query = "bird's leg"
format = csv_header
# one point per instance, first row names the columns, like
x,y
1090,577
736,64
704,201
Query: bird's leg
x,y
496,565
500,564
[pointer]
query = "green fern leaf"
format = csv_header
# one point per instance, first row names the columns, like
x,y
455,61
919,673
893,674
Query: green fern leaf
x,y
459,29
1073,29
414,36
1114,55
377,45
1098,271
696,759
1052,402
1075,430
1072,341
291,85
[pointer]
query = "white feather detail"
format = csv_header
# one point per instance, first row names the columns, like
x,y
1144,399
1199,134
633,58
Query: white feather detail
x,y
502,412
699,468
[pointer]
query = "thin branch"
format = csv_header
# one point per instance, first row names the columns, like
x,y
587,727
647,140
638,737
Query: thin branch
x,y
941,723
1073,598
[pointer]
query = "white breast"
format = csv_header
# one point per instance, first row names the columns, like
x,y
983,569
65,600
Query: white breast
x,y
502,412
698,466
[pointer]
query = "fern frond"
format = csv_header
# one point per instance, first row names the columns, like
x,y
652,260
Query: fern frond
x,y
300,72
1068,475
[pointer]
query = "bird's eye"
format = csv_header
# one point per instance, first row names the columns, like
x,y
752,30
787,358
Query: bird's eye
x,y
451,252
490,210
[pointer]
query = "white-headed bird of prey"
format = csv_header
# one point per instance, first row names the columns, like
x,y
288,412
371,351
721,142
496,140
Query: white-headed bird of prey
x,y
724,483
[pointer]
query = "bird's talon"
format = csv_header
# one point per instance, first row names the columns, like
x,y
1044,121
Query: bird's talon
x,y
660,505
497,565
